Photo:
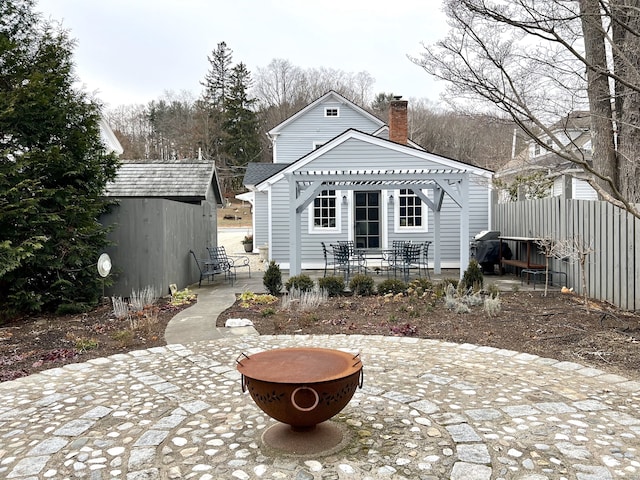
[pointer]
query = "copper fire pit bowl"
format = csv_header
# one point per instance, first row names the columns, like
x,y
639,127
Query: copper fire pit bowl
x,y
301,386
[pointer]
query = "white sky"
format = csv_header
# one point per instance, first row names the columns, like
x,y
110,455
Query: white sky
x,y
133,51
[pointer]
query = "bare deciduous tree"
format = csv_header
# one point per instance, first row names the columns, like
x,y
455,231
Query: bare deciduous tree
x,y
538,62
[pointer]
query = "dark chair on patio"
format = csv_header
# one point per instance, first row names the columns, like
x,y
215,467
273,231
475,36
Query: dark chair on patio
x,y
209,269
405,257
329,261
357,259
218,255
341,261
424,258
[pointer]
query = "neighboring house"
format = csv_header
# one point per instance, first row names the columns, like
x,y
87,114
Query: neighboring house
x,y
164,209
109,138
562,176
340,173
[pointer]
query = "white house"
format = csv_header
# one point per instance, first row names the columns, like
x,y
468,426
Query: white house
x,y
340,173
574,135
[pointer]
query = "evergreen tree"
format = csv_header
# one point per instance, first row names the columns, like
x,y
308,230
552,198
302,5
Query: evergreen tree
x,y
218,78
211,110
53,170
241,142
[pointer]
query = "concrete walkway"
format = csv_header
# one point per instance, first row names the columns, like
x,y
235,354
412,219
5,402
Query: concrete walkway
x,y
428,410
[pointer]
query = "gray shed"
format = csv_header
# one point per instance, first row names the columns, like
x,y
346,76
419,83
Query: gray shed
x,y
164,209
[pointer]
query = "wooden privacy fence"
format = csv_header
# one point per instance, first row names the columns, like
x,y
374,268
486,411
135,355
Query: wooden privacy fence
x,y
612,269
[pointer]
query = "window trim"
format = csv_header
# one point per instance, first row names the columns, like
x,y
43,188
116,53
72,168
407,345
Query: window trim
x,y
397,228
328,109
313,230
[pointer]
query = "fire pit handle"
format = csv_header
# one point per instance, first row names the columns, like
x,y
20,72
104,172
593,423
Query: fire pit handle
x,y
304,409
238,359
356,357
361,380
243,383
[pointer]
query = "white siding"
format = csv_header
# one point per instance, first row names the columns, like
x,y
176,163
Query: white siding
x,y
583,191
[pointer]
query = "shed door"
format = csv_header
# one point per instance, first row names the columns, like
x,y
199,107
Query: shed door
x,y
367,219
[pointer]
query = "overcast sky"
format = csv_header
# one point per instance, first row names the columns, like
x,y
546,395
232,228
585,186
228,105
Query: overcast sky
x,y
133,51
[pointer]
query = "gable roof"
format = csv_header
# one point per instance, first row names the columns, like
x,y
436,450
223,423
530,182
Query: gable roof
x,y
372,139
330,94
109,138
181,180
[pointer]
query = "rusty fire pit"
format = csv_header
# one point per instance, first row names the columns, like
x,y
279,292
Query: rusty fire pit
x,y
301,387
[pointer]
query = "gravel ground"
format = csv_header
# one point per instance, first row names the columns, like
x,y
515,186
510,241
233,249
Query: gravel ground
x,y
231,240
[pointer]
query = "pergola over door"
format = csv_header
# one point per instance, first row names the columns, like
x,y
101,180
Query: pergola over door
x,y
304,186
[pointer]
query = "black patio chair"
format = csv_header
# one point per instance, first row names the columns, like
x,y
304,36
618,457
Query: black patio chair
x,y
207,268
405,258
218,255
341,260
357,259
424,258
329,261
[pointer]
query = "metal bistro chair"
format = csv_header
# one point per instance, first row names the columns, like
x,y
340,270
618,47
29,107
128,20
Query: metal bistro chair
x,y
393,256
219,255
328,261
357,260
208,269
405,258
341,260
424,258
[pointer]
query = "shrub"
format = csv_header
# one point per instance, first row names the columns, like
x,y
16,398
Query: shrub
x,y
450,281
182,297
391,285
304,300
423,283
123,337
120,308
302,283
492,305
419,287
272,279
83,344
472,277
142,298
493,290
362,285
333,285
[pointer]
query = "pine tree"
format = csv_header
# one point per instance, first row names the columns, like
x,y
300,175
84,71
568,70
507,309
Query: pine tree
x,y
241,142
53,170
218,78
211,110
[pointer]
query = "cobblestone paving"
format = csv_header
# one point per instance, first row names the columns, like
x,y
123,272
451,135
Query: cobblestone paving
x,y
428,410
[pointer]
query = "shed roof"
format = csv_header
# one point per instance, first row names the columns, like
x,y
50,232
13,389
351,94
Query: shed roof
x,y
182,180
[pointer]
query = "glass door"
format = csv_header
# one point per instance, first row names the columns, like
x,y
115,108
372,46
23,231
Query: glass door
x,y
367,219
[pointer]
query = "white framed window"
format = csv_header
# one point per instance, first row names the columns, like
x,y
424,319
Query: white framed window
x,y
410,212
331,112
324,215
536,150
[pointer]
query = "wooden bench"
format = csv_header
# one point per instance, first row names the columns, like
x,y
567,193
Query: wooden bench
x,y
522,264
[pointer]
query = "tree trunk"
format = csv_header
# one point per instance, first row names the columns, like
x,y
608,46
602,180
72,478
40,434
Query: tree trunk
x,y
627,64
604,154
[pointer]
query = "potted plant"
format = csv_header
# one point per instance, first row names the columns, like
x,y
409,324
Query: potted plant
x,y
247,241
